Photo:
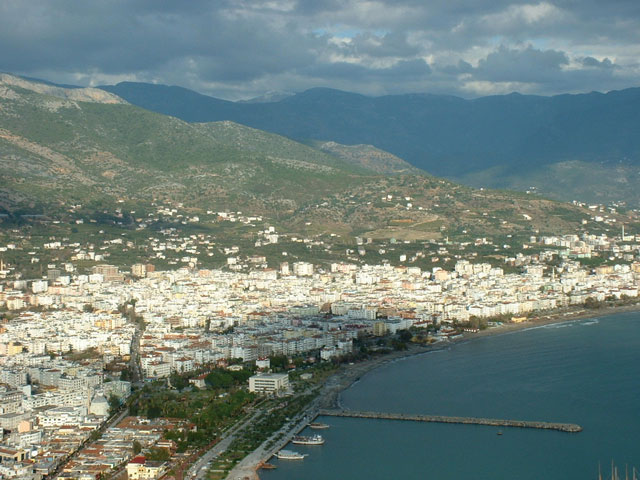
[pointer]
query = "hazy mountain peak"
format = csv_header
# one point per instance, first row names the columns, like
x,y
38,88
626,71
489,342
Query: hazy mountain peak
x,y
92,95
268,97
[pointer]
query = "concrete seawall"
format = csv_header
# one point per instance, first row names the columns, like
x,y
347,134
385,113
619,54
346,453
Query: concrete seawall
x,y
495,422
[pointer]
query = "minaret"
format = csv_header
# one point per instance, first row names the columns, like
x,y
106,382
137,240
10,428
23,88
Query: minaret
x,y
623,232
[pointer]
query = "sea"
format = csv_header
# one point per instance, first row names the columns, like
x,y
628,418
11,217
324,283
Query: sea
x,y
584,371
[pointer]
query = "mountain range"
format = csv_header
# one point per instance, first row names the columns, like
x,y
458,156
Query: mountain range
x,y
85,150
582,146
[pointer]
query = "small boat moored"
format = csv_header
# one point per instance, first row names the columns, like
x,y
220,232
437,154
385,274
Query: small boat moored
x,y
290,455
306,440
318,426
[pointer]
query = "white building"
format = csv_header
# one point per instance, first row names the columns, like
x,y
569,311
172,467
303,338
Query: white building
x,y
302,269
56,417
269,383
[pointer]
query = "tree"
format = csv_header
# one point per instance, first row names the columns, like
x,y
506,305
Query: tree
x,y
137,447
154,412
405,335
158,454
177,381
278,362
592,303
219,379
125,375
114,403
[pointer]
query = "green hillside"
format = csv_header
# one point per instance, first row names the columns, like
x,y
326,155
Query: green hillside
x,y
111,162
65,151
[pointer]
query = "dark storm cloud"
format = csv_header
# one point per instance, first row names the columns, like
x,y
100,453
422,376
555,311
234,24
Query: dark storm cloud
x,y
457,69
241,48
529,64
593,62
121,40
393,44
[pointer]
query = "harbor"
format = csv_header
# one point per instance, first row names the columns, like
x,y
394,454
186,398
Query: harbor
x,y
494,422
520,348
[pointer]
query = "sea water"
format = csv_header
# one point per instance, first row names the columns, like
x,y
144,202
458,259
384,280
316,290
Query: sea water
x,y
585,372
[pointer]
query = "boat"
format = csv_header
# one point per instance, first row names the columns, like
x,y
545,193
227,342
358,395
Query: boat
x,y
614,472
305,440
268,466
318,426
499,432
290,455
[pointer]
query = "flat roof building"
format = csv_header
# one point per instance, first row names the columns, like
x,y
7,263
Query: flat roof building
x,y
269,383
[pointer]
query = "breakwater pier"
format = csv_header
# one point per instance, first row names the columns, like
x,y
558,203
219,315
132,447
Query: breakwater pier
x,y
494,422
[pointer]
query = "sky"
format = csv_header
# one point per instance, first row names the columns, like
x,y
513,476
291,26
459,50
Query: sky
x,y
239,49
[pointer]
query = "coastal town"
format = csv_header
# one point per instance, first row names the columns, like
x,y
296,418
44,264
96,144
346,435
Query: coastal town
x,y
77,342
289,239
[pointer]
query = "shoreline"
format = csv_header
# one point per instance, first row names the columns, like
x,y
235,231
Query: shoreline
x,y
352,373
329,396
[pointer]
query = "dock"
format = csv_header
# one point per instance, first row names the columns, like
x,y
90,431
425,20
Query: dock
x,y
493,422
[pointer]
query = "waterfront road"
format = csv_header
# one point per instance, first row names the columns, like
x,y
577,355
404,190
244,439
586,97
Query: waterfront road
x,y
198,470
247,467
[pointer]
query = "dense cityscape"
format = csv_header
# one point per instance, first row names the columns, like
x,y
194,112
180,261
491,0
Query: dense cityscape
x,y
76,343
328,239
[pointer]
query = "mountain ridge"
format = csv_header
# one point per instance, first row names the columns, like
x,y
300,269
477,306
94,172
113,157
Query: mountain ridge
x,y
522,136
84,94
100,160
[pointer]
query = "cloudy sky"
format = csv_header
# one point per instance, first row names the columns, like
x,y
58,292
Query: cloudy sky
x,y
238,49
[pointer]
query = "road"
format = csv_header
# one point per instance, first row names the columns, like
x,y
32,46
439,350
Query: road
x,y
246,469
134,356
199,469
134,366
